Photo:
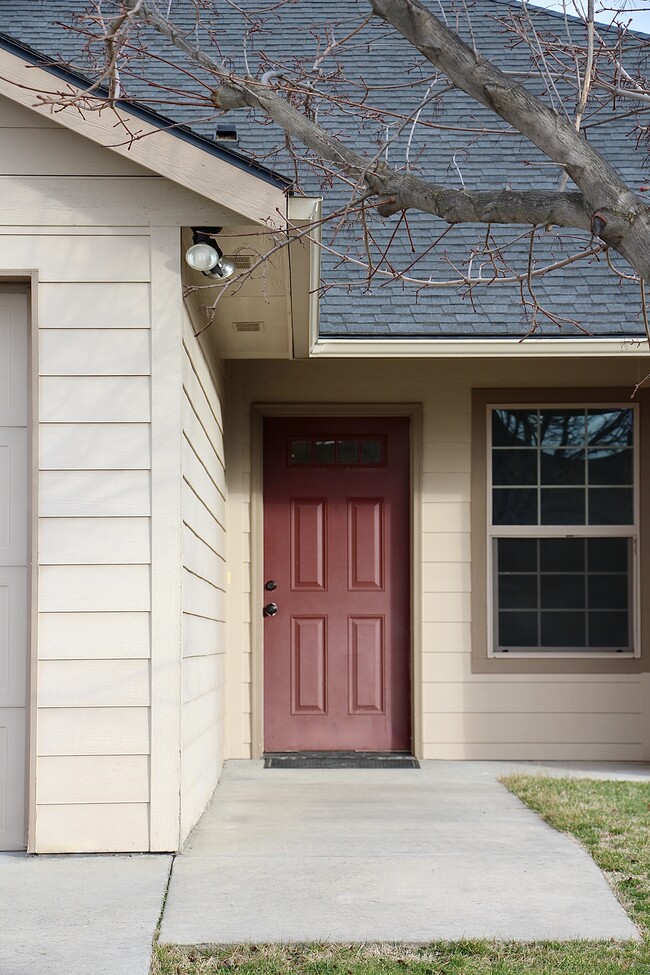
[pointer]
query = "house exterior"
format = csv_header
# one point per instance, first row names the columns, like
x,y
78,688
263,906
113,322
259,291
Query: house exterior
x,y
452,530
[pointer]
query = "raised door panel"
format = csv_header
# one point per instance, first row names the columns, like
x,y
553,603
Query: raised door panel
x,y
366,654
309,665
366,548
13,359
13,734
308,544
13,496
13,637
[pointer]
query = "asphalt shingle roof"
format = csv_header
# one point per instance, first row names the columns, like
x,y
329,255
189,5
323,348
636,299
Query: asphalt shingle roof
x,y
585,298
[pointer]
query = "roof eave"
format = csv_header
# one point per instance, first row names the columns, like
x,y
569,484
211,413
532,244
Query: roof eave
x,y
259,197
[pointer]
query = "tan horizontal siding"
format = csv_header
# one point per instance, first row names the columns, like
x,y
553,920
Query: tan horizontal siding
x,y
94,588
93,683
93,731
534,728
53,152
94,541
93,636
94,494
530,696
95,779
96,446
96,399
85,828
204,582
93,304
94,352
73,258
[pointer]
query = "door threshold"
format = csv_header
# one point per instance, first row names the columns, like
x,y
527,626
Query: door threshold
x,y
334,760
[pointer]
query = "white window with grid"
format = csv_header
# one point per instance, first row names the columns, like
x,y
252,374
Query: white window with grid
x,y
563,530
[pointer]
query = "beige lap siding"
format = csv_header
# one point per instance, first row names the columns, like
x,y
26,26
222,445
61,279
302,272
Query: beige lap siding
x,y
204,581
92,768
464,715
92,312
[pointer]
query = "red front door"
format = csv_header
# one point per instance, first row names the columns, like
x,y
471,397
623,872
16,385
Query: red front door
x,y
336,563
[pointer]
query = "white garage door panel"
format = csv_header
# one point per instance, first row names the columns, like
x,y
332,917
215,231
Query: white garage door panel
x,y
13,359
13,637
13,735
14,492
13,501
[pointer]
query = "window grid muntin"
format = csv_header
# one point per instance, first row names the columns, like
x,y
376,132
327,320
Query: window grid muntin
x,y
587,611
309,450
584,446
538,531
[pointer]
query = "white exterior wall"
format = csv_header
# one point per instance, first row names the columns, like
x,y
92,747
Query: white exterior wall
x,y
204,580
464,715
101,238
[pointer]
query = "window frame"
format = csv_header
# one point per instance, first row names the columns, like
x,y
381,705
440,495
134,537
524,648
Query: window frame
x,y
484,659
537,531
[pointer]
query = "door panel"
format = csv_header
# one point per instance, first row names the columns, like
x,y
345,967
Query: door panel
x,y
336,540
13,568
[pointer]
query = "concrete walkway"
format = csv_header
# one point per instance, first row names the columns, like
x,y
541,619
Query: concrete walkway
x,y
445,852
79,915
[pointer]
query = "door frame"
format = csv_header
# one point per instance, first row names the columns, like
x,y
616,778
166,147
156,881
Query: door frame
x,y
25,281
260,410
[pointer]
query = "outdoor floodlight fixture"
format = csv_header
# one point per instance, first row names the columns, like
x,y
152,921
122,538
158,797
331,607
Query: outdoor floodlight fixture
x,y
206,256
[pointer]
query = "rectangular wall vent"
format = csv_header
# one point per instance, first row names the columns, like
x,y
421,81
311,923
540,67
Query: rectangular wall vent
x,y
241,261
248,326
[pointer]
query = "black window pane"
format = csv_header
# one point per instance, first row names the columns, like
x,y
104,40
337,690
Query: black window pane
x,y
517,592
611,506
609,630
517,630
563,630
562,592
563,506
301,451
557,554
517,554
347,451
514,467
610,426
608,592
611,466
371,452
514,506
562,466
324,451
607,554
514,428
562,428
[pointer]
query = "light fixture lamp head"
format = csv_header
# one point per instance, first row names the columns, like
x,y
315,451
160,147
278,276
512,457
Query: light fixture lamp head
x,y
206,256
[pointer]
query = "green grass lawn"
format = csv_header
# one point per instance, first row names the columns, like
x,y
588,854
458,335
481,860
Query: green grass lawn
x,y
611,819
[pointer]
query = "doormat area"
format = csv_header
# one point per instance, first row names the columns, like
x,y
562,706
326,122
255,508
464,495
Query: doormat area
x,y
300,760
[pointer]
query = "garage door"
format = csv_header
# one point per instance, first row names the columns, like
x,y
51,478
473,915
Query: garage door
x,y
13,568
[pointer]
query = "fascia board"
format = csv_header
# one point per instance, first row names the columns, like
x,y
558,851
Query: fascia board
x,y
305,213
158,150
479,349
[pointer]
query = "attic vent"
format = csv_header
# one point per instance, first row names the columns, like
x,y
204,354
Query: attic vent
x,y
242,262
248,326
226,133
